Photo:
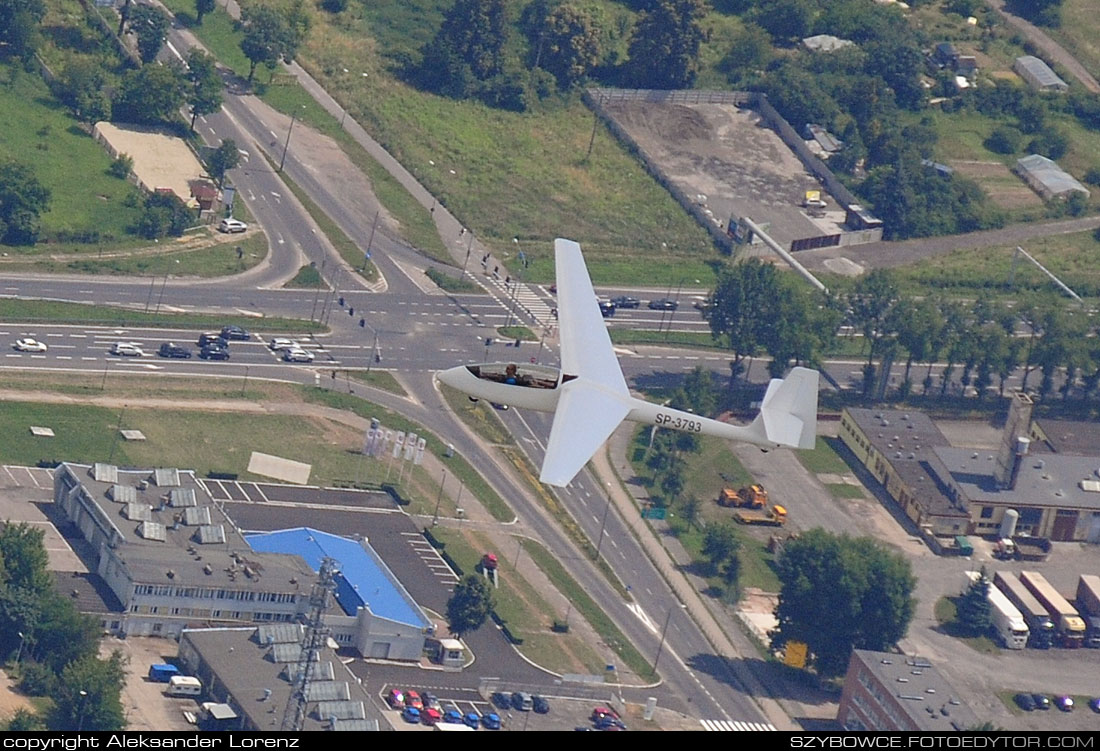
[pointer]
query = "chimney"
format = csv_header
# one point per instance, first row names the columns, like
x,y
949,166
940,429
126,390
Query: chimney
x,y
1022,445
1017,425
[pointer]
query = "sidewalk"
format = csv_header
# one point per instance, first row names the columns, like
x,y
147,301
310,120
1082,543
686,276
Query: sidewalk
x,y
719,626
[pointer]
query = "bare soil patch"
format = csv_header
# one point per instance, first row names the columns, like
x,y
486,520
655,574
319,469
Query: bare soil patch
x,y
1004,188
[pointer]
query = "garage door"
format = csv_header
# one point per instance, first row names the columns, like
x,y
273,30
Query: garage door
x,y
380,650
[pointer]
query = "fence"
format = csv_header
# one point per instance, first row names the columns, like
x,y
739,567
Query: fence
x,y
597,98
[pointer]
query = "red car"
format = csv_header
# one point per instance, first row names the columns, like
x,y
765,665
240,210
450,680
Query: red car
x,y
431,716
396,698
412,699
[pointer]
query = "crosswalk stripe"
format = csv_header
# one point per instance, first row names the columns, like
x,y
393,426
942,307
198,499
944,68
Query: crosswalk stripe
x,y
733,725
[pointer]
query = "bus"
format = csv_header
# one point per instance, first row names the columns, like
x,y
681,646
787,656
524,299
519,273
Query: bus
x,y
1067,623
1006,620
1040,626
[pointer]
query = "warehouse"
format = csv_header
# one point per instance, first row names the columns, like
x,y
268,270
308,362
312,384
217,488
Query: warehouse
x,y
1046,178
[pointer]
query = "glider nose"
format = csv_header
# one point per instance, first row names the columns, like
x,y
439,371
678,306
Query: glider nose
x,y
452,377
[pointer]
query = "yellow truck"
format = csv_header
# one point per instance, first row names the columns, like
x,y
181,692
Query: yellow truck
x,y
752,496
776,516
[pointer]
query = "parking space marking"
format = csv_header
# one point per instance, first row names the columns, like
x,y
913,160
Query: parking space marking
x,y
260,490
244,492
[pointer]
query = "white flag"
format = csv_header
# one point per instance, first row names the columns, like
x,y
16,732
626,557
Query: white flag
x,y
398,444
419,451
410,446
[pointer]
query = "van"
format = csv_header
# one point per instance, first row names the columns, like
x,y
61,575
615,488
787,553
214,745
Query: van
x,y
522,701
184,685
163,672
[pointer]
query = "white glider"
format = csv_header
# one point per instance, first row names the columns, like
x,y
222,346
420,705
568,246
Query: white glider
x,y
589,395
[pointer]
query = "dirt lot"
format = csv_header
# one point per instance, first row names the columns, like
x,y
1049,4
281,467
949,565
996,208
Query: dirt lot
x,y
1004,188
729,156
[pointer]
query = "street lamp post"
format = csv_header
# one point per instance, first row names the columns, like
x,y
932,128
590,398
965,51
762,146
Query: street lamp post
x,y
439,498
19,652
664,632
80,713
286,146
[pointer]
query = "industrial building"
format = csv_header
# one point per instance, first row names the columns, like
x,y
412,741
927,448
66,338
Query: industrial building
x,y
1046,178
250,671
1038,74
1022,488
175,560
886,691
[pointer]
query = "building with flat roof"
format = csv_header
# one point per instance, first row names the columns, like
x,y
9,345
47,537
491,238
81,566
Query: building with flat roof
x,y
1077,437
378,616
250,670
170,555
886,691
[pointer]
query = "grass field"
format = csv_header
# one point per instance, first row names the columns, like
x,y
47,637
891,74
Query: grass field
x,y
41,311
38,131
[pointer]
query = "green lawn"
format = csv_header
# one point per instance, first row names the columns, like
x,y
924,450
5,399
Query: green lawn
x,y
38,311
38,131
824,458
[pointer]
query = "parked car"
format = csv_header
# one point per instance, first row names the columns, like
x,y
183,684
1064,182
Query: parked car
x,y
235,333
430,716
30,345
610,723
212,352
127,349
1041,701
502,700
663,304
491,721
1064,703
539,704
501,407
396,698
279,343
1094,704
452,716
297,355
522,701
411,715
412,699
231,225
607,309
174,350
625,301
472,719
431,701
213,337
1025,702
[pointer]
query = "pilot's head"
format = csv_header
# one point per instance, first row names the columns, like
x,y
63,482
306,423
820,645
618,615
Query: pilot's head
x,y
510,370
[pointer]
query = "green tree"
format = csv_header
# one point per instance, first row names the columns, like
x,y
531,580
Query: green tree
x,y
205,95
700,393
919,324
741,312
469,606
150,25
469,47
268,37
750,50
801,327
25,721
720,543
841,593
1004,140
83,87
151,94
222,159
88,696
571,43
787,20
164,215
63,634
664,48
25,559
22,199
872,301
974,614
202,7
19,27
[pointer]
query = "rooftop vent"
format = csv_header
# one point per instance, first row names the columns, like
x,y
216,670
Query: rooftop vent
x,y
170,574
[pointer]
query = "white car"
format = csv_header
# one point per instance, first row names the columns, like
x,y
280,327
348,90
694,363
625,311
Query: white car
x,y
278,344
297,355
30,345
127,349
232,225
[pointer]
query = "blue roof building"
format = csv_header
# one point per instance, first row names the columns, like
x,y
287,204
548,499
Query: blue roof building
x,y
380,618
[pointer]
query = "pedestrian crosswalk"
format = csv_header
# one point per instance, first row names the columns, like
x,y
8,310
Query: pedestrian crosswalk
x,y
734,725
515,296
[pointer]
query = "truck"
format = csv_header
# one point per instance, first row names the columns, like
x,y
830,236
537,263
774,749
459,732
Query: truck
x,y
1088,604
1068,626
751,496
184,685
776,516
1039,624
1006,620
163,672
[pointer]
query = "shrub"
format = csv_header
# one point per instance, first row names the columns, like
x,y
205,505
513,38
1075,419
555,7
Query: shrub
x,y
1092,177
121,167
1004,140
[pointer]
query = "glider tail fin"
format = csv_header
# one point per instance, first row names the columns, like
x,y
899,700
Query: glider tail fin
x,y
788,414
